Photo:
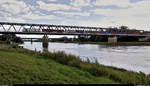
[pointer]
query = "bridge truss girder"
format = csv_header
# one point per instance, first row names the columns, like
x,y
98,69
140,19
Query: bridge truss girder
x,y
8,27
17,28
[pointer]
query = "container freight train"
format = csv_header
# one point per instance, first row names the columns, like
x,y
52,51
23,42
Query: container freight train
x,y
30,30
92,31
61,31
50,30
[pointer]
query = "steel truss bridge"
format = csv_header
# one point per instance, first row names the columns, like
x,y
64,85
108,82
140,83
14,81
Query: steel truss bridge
x,y
17,28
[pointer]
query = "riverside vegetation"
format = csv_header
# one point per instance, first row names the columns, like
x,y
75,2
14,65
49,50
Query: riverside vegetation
x,y
18,66
26,66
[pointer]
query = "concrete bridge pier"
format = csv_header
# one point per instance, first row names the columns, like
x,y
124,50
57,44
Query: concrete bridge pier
x,y
45,42
31,41
112,40
79,37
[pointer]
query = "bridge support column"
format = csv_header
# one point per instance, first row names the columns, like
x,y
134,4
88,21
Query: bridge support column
x,y
112,40
45,42
79,37
31,41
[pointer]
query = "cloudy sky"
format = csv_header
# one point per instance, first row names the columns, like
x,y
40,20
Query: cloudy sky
x,y
102,13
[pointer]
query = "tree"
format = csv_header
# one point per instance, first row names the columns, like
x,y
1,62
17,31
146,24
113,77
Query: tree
x,y
11,37
124,27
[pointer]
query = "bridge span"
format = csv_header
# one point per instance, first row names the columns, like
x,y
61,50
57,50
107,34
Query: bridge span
x,y
46,29
87,34
80,31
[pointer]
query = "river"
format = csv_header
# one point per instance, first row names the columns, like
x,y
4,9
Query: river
x,y
135,58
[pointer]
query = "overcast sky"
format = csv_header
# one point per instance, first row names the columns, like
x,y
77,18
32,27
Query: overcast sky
x,y
102,13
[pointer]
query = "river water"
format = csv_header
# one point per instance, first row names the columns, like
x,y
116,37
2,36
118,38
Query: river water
x,y
135,58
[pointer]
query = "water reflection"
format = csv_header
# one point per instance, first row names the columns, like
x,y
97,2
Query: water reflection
x,y
134,58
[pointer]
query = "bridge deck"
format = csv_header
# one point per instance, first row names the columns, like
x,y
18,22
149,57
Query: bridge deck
x,y
21,29
47,33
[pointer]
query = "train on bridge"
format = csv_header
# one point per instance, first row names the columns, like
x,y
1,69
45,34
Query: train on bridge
x,y
89,31
26,28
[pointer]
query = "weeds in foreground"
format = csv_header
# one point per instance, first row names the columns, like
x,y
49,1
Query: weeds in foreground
x,y
96,69
116,74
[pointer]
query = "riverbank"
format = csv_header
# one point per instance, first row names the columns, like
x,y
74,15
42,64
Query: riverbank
x,y
26,66
105,43
18,66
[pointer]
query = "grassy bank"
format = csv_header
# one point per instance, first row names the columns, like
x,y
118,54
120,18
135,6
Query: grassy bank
x,y
116,74
119,43
25,66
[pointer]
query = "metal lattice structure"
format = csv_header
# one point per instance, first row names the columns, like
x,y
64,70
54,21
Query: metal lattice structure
x,y
42,26
18,28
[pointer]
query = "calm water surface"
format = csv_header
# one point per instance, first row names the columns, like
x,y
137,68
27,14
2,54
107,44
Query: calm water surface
x,y
135,58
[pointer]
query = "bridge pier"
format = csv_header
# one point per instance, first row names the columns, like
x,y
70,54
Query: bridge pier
x,y
45,41
31,41
112,40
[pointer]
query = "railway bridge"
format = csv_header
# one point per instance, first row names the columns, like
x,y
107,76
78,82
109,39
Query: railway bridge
x,y
47,29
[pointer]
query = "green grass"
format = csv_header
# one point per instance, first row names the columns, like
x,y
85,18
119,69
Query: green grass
x,y
116,74
59,67
24,66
